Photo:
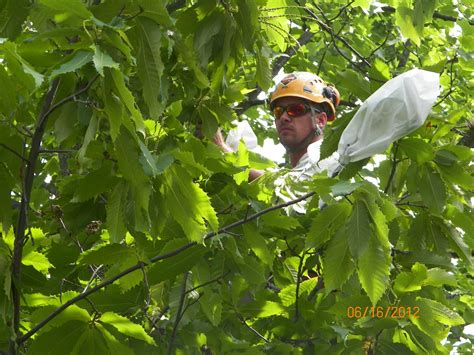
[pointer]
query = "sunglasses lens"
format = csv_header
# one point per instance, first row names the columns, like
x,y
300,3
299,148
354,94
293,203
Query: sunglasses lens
x,y
296,110
278,111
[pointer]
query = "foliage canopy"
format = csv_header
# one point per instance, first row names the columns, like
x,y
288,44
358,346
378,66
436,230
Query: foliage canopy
x,y
121,232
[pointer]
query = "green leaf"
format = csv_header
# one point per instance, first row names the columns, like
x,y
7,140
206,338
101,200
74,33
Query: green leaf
x,y
189,204
128,161
78,60
358,229
105,254
432,190
115,213
325,224
374,268
459,246
258,244
417,150
337,262
411,281
127,327
404,18
93,184
440,312
102,60
211,305
263,74
438,277
150,65
90,341
127,98
171,267
58,340
70,7
115,346
38,260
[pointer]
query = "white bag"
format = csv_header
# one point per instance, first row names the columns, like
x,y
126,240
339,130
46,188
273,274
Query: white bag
x,y
242,131
397,108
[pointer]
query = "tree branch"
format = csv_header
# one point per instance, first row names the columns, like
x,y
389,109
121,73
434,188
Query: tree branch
x,y
329,30
210,235
47,109
436,14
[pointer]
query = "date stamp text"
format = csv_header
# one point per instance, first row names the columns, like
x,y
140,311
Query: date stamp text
x,y
396,312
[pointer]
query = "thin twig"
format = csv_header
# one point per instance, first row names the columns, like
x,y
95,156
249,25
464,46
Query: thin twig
x,y
253,330
394,168
52,151
208,282
94,275
14,152
178,312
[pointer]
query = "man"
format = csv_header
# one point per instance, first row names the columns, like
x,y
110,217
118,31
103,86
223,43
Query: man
x,y
302,104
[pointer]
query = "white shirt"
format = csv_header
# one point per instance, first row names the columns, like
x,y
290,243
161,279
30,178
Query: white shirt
x,y
308,165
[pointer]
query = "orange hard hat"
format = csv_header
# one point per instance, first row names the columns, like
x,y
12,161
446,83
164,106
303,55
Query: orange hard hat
x,y
310,87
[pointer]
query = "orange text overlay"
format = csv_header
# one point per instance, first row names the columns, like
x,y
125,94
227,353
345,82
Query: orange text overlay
x,y
398,312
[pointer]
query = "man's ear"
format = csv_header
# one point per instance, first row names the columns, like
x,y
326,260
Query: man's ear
x,y
321,119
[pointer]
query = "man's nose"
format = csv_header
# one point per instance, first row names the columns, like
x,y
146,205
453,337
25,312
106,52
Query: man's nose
x,y
284,117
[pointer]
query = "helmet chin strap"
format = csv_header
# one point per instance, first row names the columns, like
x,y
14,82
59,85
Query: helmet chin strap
x,y
309,137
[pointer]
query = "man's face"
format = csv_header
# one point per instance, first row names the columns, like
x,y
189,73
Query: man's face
x,y
293,130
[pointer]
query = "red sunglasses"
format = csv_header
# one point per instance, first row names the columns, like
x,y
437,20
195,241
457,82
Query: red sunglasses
x,y
293,110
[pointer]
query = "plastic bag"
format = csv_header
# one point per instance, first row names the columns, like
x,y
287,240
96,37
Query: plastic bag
x,y
242,131
397,108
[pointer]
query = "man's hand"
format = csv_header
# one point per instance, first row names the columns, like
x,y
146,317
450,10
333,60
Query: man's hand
x,y
220,142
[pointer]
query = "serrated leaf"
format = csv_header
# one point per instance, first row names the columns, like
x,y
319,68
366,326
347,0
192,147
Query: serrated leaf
x,y
149,64
211,305
126,326
38,260
127,98
263,74
438,277
171,267
258,244
115,346
128,161
417,150
115,213
459,246
288,294
411,281
373,269
91,342
325,224
338,265
105,254
440,312
432,190
404,20
72,7
93,184
58,340
358,229
78,60
102,59
189,204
